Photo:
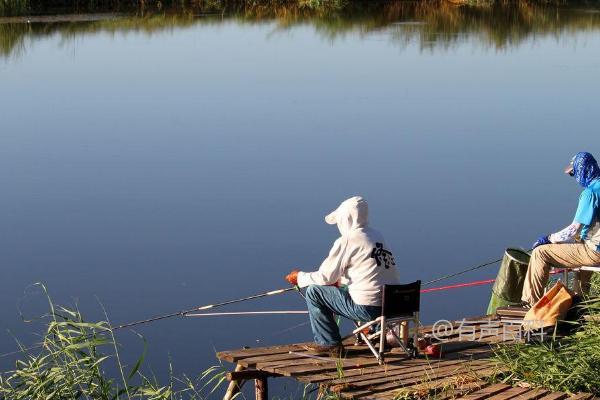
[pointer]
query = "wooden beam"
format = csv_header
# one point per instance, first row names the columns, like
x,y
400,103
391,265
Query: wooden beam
x,y
248,374
235,385
262,388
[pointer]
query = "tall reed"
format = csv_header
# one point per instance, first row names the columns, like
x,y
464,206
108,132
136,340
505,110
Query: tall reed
x,y
570,364
72,362
13,7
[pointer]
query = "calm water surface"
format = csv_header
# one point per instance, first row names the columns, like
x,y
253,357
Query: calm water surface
x,y
153,164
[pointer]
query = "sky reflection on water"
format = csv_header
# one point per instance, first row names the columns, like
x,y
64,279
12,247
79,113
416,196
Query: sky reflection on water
x,y
159,168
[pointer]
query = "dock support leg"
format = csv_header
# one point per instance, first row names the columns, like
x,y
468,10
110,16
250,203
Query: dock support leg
x,y
262,388
234,386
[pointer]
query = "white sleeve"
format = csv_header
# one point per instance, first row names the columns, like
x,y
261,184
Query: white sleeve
x,y
331,269
567,235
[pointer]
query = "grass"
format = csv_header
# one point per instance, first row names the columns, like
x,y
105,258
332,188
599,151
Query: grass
x,y
74,355
570,365
431,24
11,7
72,361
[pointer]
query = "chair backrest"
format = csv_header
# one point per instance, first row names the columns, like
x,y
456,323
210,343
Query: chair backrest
x,y
400,300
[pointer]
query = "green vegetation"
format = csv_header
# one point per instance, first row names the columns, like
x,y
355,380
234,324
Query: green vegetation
x,y
74,355
571,364
430,23
72,362
9,7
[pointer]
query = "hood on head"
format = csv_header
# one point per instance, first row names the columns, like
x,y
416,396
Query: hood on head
x,y
353,213
585,168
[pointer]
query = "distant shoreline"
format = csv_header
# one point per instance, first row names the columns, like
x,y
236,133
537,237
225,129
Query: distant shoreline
x,y
46,8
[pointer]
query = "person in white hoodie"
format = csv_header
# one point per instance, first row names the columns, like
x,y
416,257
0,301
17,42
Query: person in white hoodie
x,y
359,259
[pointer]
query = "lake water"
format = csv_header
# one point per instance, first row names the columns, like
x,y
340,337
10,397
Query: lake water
x,y
150,164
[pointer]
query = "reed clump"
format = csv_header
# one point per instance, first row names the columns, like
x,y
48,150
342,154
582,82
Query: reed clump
x,y
14,7
432,24
570,364
72,360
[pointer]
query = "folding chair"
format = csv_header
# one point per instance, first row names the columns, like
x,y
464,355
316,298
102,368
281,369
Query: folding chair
x,y
399,303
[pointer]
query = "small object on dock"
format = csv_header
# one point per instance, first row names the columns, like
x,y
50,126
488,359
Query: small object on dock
x,y
433,350
511,312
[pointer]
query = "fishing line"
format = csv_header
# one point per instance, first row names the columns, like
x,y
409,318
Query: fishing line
x,y
462,272
486,264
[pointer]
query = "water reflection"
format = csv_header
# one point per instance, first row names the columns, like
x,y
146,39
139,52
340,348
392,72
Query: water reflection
x,y
432,24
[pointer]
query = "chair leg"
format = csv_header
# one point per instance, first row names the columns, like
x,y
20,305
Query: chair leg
x,y
370,345
416,334
382,338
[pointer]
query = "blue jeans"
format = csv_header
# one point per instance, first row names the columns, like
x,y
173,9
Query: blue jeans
x,y
325,301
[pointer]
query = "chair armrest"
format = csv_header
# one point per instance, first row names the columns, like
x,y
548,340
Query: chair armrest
x,y
593,269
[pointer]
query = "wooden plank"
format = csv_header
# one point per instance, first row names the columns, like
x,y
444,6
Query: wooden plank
x,y
486,392
251,361
482,319
415,380
321,376
308,359
404,372
390,366
473,374
457,330
581,396
511,312
304,366
448,394
485,335
362,389
454,393
510,393
374,391
235,355
555,396
533,394
308,366
287,361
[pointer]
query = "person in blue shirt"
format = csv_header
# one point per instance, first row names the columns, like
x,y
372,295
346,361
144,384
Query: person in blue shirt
x,y
575,246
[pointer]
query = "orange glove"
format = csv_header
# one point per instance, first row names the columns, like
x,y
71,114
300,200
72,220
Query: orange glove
x,y
292,278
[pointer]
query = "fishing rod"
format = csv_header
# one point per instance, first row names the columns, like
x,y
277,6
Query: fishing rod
x,y
181,313
462,272
452,275
223,314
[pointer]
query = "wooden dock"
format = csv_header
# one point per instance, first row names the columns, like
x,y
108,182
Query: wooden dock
x,y
463,371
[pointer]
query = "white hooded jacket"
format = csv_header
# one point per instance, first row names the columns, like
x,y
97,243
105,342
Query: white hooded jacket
x,y
359,258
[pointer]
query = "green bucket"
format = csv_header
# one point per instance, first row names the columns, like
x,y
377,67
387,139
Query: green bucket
x,y
508,287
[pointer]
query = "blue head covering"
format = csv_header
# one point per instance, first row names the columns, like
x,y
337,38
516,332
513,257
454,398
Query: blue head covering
x,y
585,169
